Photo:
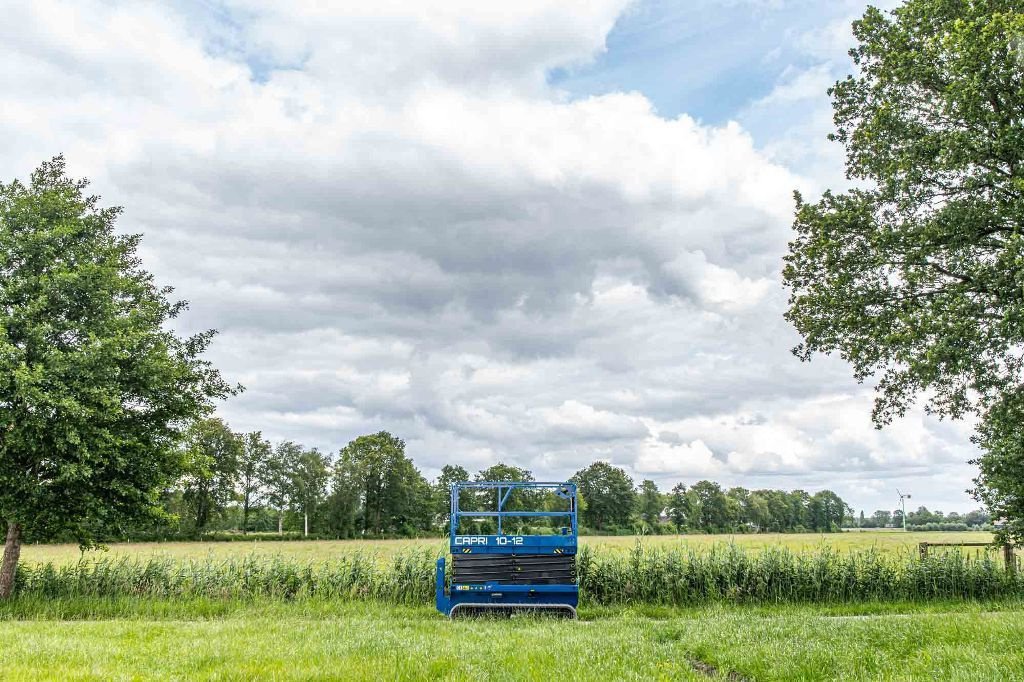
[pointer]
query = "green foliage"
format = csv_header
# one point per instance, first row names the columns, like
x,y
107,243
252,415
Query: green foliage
x,y
1000,485
826,511
881,518
610,497
680,509
504,472
255,451
938,526
651,504
308,476
924,520
275,474
658,575
406,578
95,388
212,454
450,474
917,276
518,500
344,505
378,489
713,512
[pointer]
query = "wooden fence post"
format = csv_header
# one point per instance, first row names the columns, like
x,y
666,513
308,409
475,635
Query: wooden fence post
x,y
1009,558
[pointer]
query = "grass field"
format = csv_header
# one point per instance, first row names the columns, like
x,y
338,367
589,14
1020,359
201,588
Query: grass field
x,y
888,541
205,632
145,640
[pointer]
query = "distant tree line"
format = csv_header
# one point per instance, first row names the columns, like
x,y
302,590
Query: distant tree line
x,y
240,483
922,519
612,503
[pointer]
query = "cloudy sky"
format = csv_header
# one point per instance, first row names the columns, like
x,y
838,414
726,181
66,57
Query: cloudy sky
x,y
544,232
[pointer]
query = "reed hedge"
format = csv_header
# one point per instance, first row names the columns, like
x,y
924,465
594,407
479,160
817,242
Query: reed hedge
x,y
643,575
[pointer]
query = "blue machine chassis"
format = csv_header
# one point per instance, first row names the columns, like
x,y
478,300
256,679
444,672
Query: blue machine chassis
x,y
533,572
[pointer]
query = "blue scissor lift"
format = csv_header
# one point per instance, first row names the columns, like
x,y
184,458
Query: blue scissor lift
x,y
507,573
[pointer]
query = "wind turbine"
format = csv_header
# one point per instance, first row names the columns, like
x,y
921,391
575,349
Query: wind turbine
x,y
903,506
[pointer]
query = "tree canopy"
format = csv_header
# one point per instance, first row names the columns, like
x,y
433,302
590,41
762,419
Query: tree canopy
x,y
212,455
609,494
916,276
95,386
254,452
651,504
387,493
308,477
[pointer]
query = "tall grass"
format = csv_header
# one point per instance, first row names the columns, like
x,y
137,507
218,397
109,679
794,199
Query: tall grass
x,y
645,575
405,578
727,573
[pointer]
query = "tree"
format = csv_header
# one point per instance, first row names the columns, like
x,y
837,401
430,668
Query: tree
x,y
652,503
778,510
374,457
254,455
826,511
308,476
758,512
394,496
212,452
409,500
276,476
1000,485
609,493
881,518
450,474
344,502
95,387
713,516
516,500
737,504
799,510
916,276
679,510
505,472
978,517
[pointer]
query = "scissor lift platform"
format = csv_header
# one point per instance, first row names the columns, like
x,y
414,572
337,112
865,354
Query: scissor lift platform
x,y
503,574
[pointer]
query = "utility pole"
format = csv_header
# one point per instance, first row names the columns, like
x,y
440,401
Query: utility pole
x,y
903,507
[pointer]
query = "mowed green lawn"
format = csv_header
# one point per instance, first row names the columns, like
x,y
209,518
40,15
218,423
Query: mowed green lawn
x,y
888,541
364,641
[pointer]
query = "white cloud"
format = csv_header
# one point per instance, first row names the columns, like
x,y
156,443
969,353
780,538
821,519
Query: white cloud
x,y
684,459
397,223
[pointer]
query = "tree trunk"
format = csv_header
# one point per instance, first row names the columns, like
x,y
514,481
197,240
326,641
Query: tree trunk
x,y
305,518
245,516
12,552
280,523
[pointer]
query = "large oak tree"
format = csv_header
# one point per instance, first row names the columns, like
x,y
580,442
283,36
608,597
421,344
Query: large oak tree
x,y
95,387
916,277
